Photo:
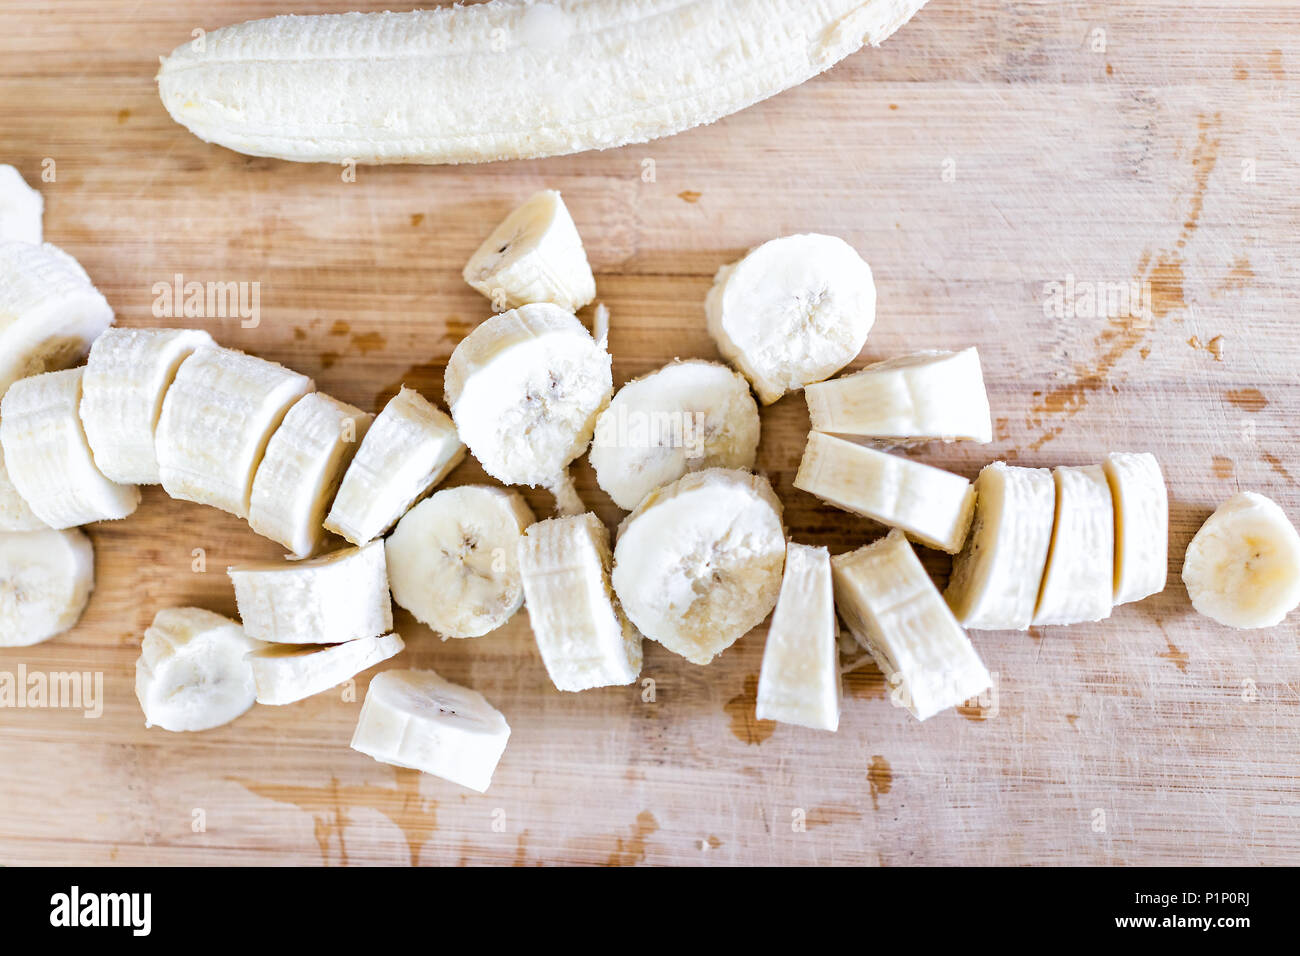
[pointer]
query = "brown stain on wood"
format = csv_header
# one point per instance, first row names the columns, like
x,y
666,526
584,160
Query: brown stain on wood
x,y
416,219
123,116
328,359
1240,274
1072,718
1223,466
1274,64
367,342
710,842
1174,654
1214,346
865,682
747,728
689,195
1239,71
456,328
629,851
340,327
881,779
829,816
1247,399
1275,463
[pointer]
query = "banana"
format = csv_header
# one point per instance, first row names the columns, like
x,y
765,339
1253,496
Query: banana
x,y
410,447
453,560
584,637
698,563
681,418
15,513
192,673
216,420
49,311
510,79
127,374
996,576
1137,488
1242,568
285,673
918,397
21,208
933,506
47,457
793,311
525,388
534,255
45,581
1078,582
302,469
418,720
335,598
800,679
894,610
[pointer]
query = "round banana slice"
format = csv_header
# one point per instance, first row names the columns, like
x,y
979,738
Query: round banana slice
x,y
15,513
699,562
1243,567
525,388
45,581
793,311
21,208
453,560
685,417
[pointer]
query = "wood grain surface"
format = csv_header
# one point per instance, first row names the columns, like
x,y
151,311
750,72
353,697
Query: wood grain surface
x,y
989,149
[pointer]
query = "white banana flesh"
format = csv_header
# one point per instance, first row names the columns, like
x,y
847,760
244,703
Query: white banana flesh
x,y
508,79
286,673
525,388
997,574
302,469
894,610
1137,488
410,447
933,506
534,255
698,563
584,637
192,673
681,418
127,374
48,458
45,582
1242,568
453,560
15,513
918,397
793,311
335,598
21,208
417,719
1079,581
800,679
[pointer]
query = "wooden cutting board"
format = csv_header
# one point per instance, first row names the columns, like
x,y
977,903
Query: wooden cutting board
x,y
988,150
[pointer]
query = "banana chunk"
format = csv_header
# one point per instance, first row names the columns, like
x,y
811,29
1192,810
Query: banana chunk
x,y
15,513
453,560
418,720
302,469
21,208
525,388
192,673
584,637
127,374
48,459
45,581
800,679
698,563
410,447
1137,488
1242,568
335,598
1079,582
286,673
534,255
997,574
933,506
919,397
894,610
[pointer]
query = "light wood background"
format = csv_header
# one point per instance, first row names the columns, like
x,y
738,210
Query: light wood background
x,y
989,148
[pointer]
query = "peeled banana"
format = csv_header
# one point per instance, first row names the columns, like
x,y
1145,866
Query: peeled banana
x,y
15,513
21,208
1137,488
1079,580
285,673
45,581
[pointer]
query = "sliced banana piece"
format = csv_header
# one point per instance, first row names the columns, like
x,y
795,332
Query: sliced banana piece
x,y
894,610
302,469
285,673
681,418
997,574
337,597
1137,488
453,560
15,513
45,581
1242,568
800,679
918,397
21,208
416,719
128,372
933,506
1079,583
585,638
47,456
410,447
192,673
698,563
525,388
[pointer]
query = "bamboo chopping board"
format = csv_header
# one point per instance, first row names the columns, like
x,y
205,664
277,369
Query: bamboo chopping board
x,y
988,150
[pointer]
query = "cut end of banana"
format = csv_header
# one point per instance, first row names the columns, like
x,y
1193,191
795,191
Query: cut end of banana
x,y
1137,489
21,208
45,581
1079,580
287,673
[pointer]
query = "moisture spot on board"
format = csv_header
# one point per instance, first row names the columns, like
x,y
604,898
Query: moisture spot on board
x,y
1222,466
1174,654
689,195
1247,399
327,359
746,727
881,779
1072,718
367,342
416,219
631,850
340,328
710,842
299,333
893,106
123,116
